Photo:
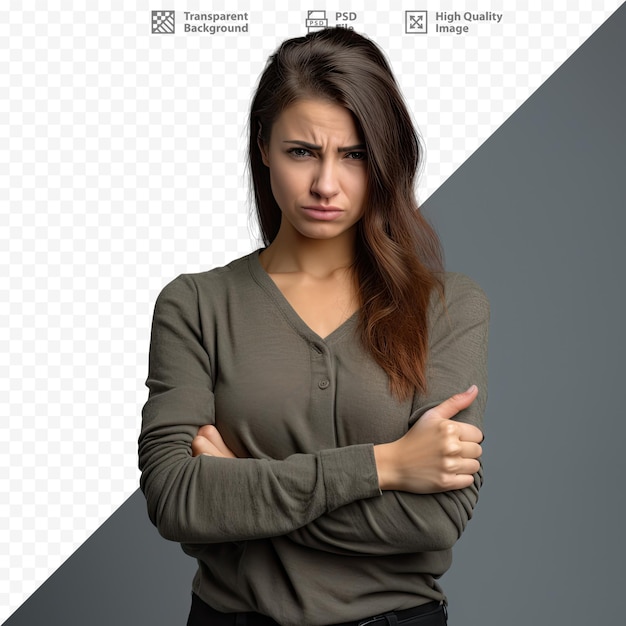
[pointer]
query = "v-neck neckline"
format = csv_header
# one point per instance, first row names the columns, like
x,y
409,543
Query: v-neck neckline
x,y
293,318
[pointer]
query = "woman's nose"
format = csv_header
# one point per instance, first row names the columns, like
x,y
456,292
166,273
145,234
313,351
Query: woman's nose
x,y
325,183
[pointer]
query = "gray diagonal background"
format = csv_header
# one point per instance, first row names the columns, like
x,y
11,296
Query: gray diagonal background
x,y
537,217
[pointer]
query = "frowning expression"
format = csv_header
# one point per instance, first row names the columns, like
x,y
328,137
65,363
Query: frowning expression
x,y
318,168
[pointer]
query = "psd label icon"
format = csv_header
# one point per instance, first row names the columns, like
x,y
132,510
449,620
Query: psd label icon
x,y
163,22
316,20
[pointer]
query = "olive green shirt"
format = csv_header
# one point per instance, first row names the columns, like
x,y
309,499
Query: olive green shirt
x,y
297,527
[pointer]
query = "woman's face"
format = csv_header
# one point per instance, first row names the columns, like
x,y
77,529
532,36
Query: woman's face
x,y
318,168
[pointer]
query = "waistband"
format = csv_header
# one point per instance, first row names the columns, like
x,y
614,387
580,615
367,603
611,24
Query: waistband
x,y
430,614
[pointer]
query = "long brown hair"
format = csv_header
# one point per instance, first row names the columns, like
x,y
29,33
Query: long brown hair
x,y
399,259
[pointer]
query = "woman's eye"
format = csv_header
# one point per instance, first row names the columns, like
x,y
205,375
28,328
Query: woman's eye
x,y
299,152
357,156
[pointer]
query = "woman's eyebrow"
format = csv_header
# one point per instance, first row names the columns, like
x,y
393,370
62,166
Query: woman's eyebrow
x,y
310,146
358,146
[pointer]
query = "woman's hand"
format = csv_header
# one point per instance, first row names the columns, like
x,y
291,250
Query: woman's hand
x,y
436,454
208,441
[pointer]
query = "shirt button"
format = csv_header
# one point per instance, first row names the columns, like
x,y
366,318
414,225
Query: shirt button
x,y
323,384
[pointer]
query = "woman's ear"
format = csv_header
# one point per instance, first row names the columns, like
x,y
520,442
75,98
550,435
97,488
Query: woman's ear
x,y
262,146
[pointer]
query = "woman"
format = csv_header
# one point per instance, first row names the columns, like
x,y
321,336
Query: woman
x,y
298,439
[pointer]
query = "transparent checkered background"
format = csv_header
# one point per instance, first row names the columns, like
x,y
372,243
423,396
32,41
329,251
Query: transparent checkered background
x,y
122,165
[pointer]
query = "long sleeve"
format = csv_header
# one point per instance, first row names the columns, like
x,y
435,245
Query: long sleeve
x,y
207,499
399,522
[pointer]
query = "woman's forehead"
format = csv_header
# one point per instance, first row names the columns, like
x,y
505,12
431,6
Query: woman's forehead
x,y
320,118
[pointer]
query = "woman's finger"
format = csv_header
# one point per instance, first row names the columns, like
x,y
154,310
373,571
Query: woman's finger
x,y
212,435
456,403
201,445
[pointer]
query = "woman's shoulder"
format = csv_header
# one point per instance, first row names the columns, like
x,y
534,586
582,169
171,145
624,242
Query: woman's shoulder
x,y
210,287
462,296
235,272
460,286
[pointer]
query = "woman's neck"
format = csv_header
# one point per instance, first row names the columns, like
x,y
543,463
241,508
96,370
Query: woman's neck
x,y
292,252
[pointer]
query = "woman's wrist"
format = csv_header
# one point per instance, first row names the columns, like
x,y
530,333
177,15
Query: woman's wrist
x,y
383,456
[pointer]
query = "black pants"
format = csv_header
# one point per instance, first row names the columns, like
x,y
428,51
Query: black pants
x,y
431,614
